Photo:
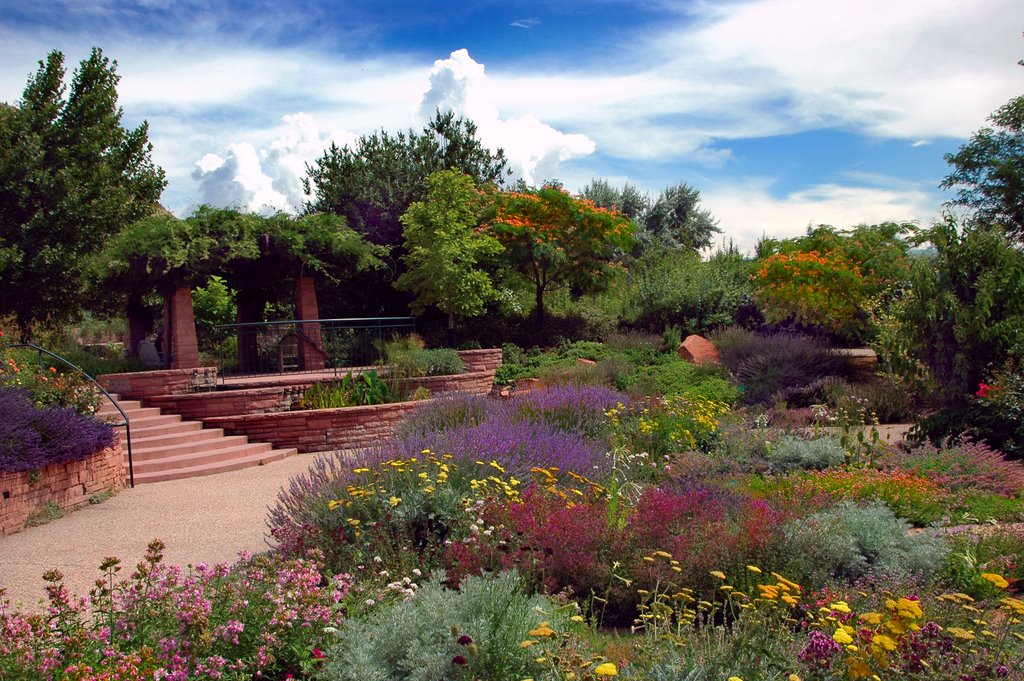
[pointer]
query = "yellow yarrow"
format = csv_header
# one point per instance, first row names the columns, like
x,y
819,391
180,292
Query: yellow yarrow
x,y
606,669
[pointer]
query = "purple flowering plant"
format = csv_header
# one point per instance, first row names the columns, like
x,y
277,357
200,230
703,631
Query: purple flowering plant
x,y
263,617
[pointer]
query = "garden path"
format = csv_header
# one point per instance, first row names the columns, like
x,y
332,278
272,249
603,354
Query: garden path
x,y
206,519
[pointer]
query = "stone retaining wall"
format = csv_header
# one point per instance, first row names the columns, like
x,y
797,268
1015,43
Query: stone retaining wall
x,y
207,405
318,430
69,485
142,385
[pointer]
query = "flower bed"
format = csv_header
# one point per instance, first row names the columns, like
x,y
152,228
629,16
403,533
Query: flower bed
x,y
68,485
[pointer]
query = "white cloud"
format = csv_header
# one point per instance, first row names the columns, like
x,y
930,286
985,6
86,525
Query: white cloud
x,y
535,150
748,211
266,180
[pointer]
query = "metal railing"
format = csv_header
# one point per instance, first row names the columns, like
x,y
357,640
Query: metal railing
x,y
302,345
124,422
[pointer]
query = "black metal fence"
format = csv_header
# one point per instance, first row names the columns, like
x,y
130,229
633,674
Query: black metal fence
x,y
303,345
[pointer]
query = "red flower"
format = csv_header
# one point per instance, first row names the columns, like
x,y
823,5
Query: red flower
x,y
985,390
464,640
459,660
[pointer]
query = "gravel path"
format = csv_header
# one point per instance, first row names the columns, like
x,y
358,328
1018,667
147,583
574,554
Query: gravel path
x,y
205,519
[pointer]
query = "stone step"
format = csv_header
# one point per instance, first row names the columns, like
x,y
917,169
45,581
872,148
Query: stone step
x,y
195,468
165,452
167,447
108,409
170,439
149,421
132,414
169,428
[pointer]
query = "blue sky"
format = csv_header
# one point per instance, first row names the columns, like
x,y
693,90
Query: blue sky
x,y
784,113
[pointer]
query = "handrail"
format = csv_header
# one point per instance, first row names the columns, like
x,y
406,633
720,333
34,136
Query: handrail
x,y
404,320
127,427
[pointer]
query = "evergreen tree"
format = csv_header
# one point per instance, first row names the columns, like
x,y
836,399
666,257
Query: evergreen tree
x,y
70,177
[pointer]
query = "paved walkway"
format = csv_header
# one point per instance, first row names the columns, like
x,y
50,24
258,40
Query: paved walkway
x,y
206,519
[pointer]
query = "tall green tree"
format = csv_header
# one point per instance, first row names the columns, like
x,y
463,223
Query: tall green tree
x,y
373,183
963,317
556,239
445,246
629,200
70,177
988,171
676,220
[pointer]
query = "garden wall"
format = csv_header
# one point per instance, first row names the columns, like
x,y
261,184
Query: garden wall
x,y
142,385
319,429
68,485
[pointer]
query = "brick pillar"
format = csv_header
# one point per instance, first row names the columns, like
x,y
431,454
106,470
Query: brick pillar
x,y
311,356
180,346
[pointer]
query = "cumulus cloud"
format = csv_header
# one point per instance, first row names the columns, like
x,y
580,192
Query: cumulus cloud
x,y
535,150
268,179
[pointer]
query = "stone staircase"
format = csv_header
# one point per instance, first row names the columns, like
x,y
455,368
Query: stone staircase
x,y
166,447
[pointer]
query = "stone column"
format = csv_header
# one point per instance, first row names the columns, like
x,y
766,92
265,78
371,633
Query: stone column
x,y
180,346
311,356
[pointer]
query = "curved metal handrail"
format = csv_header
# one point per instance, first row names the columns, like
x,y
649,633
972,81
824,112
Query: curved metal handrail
x,y
127,427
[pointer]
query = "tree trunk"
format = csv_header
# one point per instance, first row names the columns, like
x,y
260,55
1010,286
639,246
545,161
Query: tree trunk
x,y
451,330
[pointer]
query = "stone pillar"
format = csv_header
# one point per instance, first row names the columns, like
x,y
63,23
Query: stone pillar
x,y
311,355
180,346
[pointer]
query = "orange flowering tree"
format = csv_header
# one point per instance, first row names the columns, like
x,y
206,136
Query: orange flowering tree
x,y
556,239
831,279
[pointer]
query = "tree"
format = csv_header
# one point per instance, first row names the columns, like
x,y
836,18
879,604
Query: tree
x,y
675,220
832,279
444,247
373,183
559,240
963,318
988,171
629,200
70,178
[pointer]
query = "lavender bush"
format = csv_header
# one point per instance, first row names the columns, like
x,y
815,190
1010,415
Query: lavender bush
x,y
31,438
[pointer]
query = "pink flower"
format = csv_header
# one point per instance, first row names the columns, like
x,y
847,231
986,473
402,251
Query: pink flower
x,y
318,654
983,390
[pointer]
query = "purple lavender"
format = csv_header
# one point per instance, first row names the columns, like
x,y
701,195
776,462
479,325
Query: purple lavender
x,y
31,438
819,650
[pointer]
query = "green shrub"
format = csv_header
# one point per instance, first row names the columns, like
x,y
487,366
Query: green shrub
x,y
473,633
851,541
677,287
791,453
362,389
683,378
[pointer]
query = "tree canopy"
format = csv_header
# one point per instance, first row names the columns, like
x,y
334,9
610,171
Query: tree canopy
x,y
444,247
988,171
556,239
70,177
373,183
251,251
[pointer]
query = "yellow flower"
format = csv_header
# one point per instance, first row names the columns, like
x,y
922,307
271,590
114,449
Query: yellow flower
x,y
965,634
793,677
527,644
735,678
753,568
840,606
542,630
873,618
884,642
841,637
606,669
997,580
718,573
395,501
